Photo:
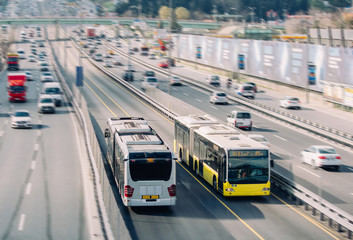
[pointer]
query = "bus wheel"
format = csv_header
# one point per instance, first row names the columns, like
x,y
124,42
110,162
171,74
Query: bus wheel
x,y
195,166
214,183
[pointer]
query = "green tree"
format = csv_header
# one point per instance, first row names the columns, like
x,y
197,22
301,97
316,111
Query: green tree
x,y
163,12
182,13
175,26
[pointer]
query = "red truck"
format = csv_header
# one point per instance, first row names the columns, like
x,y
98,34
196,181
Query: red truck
x,y
13,62
91,32
16,86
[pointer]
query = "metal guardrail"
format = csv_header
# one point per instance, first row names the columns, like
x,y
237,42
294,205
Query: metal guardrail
x,y
325,208
332,213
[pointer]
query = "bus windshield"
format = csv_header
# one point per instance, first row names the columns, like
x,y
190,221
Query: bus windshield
x,y
150,169
248,166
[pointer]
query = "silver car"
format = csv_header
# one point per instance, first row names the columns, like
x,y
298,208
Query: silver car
x,y
290,102
321,156
219,97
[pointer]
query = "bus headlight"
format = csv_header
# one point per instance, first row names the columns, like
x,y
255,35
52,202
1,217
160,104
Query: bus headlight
x,y
266,189
229,190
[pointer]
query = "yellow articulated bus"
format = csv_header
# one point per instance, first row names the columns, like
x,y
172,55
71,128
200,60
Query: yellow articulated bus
x,y
231,162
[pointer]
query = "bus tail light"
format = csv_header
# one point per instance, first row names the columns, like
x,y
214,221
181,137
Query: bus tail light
x,y
172,190
128,191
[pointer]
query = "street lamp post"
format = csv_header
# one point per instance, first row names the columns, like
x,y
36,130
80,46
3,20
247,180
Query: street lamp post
x,y
252,14
170,44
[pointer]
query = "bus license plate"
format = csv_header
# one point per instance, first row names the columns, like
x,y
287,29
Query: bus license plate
x,y
150,196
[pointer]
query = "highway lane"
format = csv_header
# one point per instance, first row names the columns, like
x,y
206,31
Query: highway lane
x,y
265,95
268,217
41,184
333,186
319,181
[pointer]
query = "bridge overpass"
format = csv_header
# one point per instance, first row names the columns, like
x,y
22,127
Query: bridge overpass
x,y
107,21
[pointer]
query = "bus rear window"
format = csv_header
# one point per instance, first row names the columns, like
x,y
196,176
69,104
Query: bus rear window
x,y
150,169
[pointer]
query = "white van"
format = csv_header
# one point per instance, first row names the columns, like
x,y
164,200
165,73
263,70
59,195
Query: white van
x,y
240,119
53,89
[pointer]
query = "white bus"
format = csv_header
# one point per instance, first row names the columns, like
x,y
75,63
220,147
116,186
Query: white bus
x,y
143,165
234,164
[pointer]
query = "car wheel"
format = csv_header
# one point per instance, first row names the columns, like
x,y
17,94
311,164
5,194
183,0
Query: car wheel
x,y
313,164
249,128
298,108
337,168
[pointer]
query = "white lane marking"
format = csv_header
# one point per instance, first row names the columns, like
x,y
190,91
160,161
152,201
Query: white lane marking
x,y
309,172
198,100
280,137
39,133
350,169
1,133
186,94
28,188
214,107
33,165
22,222
36,147
351,193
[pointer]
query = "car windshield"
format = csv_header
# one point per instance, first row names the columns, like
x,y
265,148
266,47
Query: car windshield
x,y
247,88
149,73
221,94
215,77
21,114
20,52
152,80
243,115
53,90
294,99
46,100
327,151
46,74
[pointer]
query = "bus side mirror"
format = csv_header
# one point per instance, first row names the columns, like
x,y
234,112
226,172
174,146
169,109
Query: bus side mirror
x,y
106,133
272,163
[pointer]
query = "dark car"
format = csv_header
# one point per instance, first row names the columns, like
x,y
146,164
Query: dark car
x,y
128,76
149,74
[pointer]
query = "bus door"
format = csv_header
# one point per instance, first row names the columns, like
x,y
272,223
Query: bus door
x,y
221,171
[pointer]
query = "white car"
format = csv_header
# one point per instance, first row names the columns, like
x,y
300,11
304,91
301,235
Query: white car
x,y
21,119
149,82
321,156
32,58
260,138
152,56
175,81
21,54
213,80
219,97
46,77
29,75
290,102
246,90
98,57
108,63
46,104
